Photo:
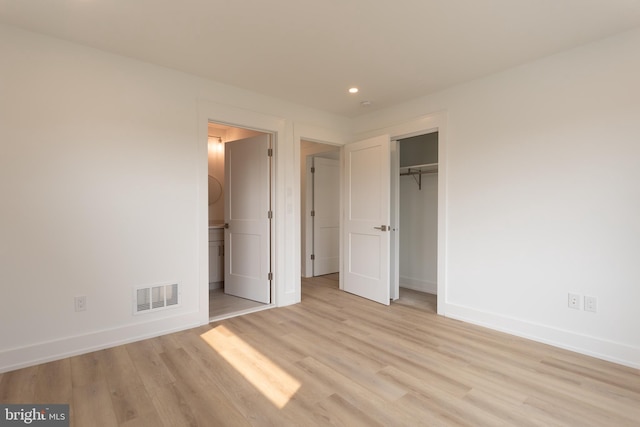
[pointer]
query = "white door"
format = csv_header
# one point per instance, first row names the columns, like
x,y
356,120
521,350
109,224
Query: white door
x,y
326,216
247,224
367,219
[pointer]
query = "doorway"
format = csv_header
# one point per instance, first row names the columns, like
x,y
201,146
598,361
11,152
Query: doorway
x,y
372,221
320,208
415,216
239,214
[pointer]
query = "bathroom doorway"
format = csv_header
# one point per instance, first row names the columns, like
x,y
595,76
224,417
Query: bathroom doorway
x,y
239,214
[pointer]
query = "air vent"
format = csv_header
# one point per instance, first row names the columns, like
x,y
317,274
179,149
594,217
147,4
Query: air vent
x,y
155,298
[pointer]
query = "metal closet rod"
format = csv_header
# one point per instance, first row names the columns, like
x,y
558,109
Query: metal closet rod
x,y
418,172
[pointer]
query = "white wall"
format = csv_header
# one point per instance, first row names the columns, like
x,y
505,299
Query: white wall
x,y
103,180
542,196
103,184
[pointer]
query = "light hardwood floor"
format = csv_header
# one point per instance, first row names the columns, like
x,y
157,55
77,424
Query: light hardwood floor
x,y
334,359
221,304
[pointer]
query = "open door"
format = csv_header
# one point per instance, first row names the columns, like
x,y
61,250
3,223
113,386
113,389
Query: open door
x,y
247,207
367,219
326,216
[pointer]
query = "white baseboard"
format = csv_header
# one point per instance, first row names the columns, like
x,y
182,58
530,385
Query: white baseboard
x,y
43,352
591,346
419,285
216,285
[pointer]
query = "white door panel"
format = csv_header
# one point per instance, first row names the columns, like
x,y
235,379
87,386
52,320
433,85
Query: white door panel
x,y
367,217
326,222
247,203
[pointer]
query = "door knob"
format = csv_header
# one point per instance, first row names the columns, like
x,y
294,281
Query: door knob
x,y
226,225
382,228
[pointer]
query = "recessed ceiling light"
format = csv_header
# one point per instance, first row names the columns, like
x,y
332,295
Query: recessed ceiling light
x,y
353,90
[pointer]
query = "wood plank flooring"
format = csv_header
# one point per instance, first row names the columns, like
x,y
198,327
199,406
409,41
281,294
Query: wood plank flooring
x,y
335,359
221,304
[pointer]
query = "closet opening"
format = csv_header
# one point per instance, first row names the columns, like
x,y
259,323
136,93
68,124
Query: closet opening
x,y
414,215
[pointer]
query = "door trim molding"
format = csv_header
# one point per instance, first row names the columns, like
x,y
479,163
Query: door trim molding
x,y
312,133
282,245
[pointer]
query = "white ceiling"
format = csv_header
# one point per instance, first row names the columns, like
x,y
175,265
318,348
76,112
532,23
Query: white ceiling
x,y
311,52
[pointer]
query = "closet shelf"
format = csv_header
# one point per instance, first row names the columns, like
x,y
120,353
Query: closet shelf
x,y
415,169
418,170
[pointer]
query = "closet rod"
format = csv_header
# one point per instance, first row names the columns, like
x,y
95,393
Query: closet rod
x,y
419,173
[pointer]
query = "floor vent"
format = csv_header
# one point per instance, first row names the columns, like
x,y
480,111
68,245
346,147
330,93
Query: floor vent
x,y
153,298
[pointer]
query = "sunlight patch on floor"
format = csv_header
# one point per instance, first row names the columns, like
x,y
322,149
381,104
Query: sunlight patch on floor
x,y
267,377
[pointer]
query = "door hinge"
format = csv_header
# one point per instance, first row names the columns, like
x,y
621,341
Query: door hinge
x,y
313,213
270,276
313,170
270,152
270,214
313,257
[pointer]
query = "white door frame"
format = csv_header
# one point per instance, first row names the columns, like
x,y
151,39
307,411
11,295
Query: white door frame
x,y
312,133
395,214
281,246
422,125
394,208
307,246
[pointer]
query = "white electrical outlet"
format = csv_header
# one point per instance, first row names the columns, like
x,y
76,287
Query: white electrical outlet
x,y
574,301
80,303
590,304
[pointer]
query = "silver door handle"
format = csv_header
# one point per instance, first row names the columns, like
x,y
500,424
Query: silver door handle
x,y
381,228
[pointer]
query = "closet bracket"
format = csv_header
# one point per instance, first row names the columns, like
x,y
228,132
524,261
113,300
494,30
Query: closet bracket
x,y
417,177
417,171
